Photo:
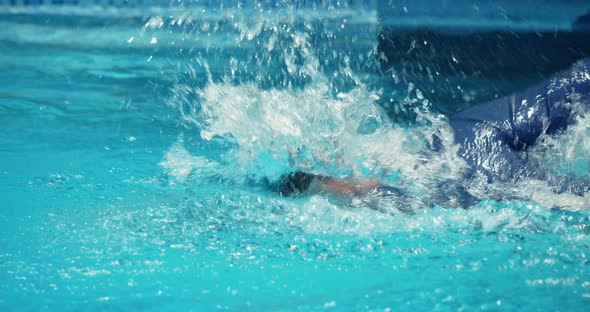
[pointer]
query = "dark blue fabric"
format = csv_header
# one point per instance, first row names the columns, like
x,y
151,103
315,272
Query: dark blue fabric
x,y
494,136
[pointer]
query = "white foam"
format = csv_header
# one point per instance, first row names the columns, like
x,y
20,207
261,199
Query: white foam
x,y
179,163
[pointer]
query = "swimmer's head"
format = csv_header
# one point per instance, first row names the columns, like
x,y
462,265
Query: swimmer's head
x,y
295,183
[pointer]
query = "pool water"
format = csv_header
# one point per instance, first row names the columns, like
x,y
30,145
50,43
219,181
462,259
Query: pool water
x,y
137,143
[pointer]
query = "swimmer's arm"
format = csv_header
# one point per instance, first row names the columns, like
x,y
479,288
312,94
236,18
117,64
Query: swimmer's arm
x,y
348,186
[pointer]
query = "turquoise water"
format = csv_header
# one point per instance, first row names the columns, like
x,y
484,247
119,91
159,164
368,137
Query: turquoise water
x,y
136,143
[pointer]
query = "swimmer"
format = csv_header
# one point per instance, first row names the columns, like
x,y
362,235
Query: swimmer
x,y
493,138
301,183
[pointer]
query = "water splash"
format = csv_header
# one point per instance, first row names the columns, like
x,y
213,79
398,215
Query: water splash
x,y
568,152
295,98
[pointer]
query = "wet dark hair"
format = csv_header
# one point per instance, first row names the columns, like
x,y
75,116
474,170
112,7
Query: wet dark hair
x,y
295,183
